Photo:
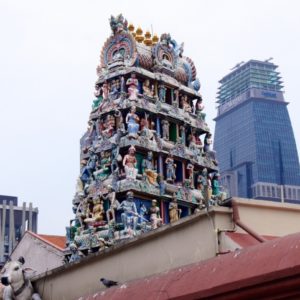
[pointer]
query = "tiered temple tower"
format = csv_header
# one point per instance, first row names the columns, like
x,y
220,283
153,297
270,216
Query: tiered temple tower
x,y
145,158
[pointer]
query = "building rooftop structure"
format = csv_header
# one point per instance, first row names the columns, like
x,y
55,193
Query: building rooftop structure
x,y
252,74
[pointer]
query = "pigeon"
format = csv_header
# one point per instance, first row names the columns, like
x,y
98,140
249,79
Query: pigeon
x,y
108,283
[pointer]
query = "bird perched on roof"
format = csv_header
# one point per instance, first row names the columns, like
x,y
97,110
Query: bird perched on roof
x,y
108,283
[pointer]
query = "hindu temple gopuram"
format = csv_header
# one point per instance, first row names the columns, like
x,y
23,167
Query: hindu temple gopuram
x,y
146,157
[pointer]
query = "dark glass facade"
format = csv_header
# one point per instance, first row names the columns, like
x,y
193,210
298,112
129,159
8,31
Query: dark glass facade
x,y
254,138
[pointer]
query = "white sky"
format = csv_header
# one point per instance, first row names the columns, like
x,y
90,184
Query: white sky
x,y
49,51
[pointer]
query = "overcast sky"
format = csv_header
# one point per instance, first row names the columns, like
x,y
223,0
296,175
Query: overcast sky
x,y
48,57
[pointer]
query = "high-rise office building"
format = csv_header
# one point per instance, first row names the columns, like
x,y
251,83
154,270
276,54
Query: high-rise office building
x,y
254,138
15,220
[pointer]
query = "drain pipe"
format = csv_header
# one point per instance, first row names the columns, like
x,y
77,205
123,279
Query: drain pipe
x,y
238,222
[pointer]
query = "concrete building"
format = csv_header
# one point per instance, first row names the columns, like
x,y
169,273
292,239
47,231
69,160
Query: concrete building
x,y
254,138
15,220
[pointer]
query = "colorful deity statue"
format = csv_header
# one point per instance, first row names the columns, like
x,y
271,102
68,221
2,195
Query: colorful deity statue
x,y
199,108
174,211
113,204
175,101
132,120
76,254
171,168
147,132
129,215
185,104
104,166
108,127
149,169
207,142
190,175
165,129
129,164
162,92
195,144
98,210
155,219
148,90
217,194
204,184
114,89
104,90
98,100
133,87
118,24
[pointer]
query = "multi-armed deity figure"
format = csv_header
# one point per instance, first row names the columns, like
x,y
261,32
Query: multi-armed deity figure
x,y
129,215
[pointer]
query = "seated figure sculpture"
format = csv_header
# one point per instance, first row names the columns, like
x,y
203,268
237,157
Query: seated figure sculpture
x,y
133,90
148,168
132,120
148,91
129,164
129,215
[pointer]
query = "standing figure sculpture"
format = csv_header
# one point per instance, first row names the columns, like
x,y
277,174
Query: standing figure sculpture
x,y
133,87
162,91
165,129
132,120
113,204
171,167
129,215
129,164
174,211
190,173
155,219
105,96
149,169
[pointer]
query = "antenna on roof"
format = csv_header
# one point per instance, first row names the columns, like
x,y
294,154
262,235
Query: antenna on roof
x,y
237,65
269,59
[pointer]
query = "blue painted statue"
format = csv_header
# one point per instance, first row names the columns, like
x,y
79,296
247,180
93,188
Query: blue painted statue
x,y
132,120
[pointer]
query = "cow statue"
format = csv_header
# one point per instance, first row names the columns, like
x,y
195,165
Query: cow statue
x,y
17,284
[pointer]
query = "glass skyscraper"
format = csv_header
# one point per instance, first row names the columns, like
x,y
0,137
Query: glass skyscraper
x,y
254,138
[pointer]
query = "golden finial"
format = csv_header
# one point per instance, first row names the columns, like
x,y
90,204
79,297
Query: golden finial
x,y
131,27
155,39
148,40
138,35
139,31
147,34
